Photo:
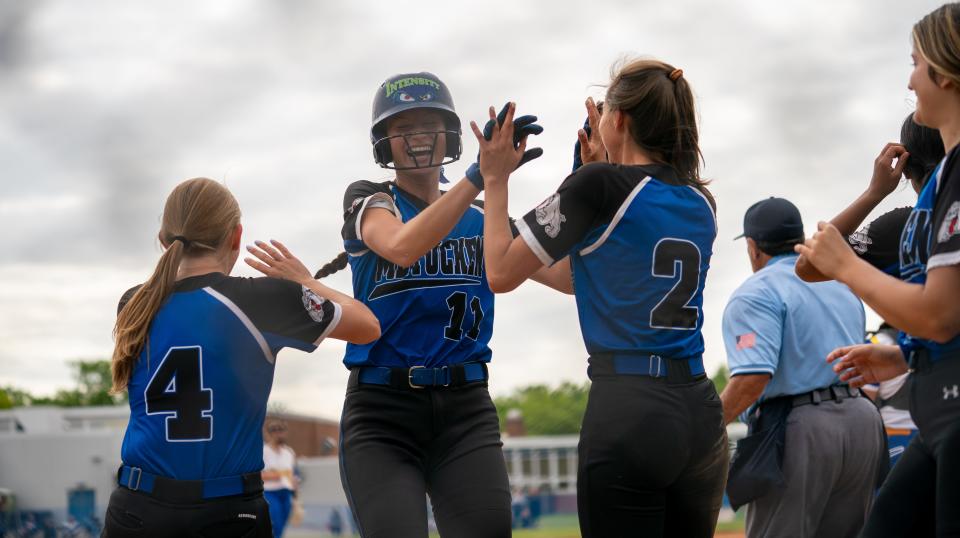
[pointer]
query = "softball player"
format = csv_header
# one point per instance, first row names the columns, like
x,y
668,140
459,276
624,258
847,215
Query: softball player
x,y
195,349
638,232
921,495
418,419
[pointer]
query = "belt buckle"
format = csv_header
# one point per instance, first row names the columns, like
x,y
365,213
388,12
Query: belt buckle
x,y
136,486
410,377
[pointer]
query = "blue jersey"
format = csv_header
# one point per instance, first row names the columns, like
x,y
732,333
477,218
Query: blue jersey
x,y
931,239
639,242
199,389
438,311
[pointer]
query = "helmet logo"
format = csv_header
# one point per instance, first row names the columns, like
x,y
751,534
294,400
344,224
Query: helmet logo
x,y
416,88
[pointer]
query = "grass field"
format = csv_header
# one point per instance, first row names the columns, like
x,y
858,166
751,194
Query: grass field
x,y
555,526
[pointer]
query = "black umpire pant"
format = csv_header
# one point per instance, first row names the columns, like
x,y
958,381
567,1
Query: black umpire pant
x,y
921,496
653,458
134,514
398,445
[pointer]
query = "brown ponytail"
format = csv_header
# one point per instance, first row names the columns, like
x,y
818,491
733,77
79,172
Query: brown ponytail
x,y
663,121
335,265
200,214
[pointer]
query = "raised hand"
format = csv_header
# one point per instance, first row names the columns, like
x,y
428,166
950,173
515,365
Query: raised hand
x,y
867,363
886,175
827,250
277,261
588,138
523,127
499,156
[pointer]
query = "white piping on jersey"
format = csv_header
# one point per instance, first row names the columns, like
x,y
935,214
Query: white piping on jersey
x,y
716,227
337,314
478,208
943,162
379,196
527,234
267,353
943,260
616,218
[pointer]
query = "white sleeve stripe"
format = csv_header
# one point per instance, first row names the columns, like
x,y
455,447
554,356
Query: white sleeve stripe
x,y
257,335
752,370
716,226
531,240
337,314
943,260
380,196
616,218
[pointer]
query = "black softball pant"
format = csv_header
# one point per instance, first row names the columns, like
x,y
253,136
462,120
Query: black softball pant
x,y
921,495
653,459
399,445
132,514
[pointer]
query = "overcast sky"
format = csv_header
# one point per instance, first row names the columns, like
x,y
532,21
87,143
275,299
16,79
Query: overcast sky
x,y
105,106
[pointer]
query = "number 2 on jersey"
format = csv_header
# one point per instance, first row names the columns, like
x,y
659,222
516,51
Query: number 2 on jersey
x,y
457,303
672,256
176,389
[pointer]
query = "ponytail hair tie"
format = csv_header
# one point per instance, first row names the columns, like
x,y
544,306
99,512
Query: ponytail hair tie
x,y
186,242
675,74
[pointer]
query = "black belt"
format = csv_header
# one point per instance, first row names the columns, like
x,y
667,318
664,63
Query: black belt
x,y
419,377
187,491
677,371
835,392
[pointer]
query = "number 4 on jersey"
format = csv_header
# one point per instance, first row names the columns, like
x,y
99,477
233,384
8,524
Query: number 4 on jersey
x,y
176,389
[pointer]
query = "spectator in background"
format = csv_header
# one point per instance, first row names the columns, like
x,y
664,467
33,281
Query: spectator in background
x,y
279,483
778,330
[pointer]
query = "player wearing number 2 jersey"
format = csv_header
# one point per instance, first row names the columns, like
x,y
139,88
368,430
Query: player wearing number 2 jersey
x,y
418,419
195,350
639,232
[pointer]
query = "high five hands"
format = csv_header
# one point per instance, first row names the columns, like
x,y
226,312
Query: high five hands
x,y
511,135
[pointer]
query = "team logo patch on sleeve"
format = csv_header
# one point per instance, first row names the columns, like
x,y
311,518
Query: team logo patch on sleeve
x,y
949,227
313,303
746,341
860,240
549,216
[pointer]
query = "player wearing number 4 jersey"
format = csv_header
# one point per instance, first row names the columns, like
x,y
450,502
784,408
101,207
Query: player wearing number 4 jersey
x,y
639,234
195,350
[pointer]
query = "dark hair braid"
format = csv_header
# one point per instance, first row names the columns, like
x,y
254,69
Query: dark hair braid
x,y
335,265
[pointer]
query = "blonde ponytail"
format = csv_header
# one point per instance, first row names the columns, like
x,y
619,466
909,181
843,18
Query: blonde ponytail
x,y
200,214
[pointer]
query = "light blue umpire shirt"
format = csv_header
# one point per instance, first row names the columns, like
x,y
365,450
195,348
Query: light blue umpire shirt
x,y
780,325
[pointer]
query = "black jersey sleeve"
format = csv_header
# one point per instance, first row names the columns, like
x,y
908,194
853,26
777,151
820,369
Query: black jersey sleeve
x,y
360,196
285,313
878,243
945,243
125,298
563,220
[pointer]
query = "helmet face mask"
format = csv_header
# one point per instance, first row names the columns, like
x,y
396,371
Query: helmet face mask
x,y
423,91
420,154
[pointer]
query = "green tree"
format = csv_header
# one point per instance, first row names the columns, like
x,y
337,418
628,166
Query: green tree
x,y
720,378
93,382
547,411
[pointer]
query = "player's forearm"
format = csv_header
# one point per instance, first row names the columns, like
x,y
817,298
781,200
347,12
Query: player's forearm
x,y
420,234
497,238
848,220
920,310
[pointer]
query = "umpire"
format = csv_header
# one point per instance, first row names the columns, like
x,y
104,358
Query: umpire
x,y
815,449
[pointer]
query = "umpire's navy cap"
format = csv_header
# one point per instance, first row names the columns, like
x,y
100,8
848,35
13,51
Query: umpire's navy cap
x,y
774,220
